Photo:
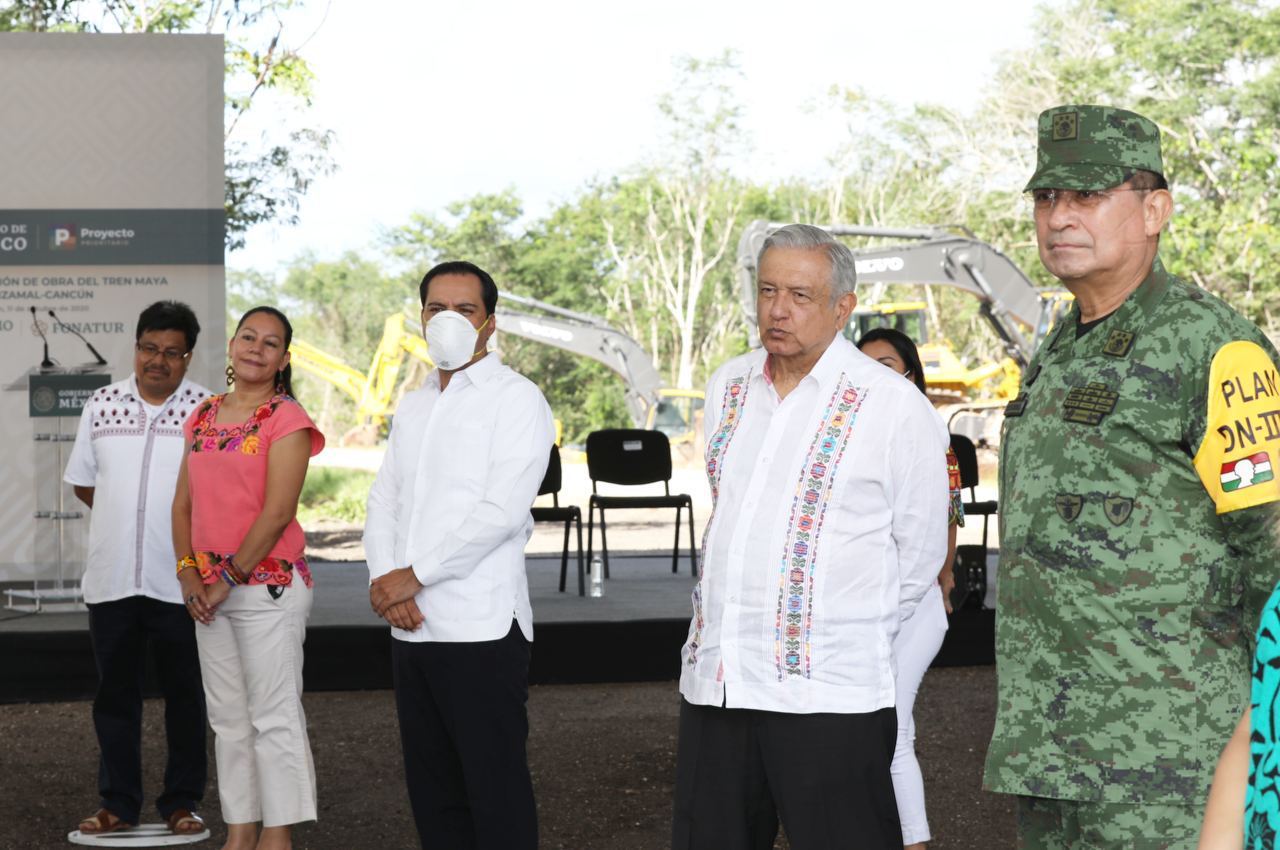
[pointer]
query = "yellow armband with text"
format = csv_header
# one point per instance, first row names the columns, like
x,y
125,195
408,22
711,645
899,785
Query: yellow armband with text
x,y
1241,445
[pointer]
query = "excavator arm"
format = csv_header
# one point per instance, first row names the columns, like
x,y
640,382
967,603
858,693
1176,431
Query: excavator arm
x,y
325,366
579,333
1018,311
590,337
372,391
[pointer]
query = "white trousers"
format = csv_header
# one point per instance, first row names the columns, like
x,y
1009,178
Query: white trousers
x,y
251,660
918,641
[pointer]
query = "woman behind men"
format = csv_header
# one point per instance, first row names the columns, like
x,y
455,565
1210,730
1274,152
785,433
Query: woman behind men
x,y
246,583
1244,802
920,636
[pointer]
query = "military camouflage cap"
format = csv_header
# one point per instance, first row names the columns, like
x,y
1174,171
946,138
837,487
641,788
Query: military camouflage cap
x,y
1093,147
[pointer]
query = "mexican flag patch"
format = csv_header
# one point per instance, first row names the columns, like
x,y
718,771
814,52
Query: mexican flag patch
x,y
1246,472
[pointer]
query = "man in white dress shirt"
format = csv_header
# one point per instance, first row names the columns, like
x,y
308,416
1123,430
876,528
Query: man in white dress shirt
x,y
447,523
124,465
829,484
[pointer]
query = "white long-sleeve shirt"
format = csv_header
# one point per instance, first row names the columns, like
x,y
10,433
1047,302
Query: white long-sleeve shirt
x,y
129,452
829,525
452,499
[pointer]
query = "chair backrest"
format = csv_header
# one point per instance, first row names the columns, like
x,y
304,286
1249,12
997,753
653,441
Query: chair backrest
x,y
628,456
967,456
551,481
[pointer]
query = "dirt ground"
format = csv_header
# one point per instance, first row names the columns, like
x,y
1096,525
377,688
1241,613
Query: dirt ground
x,y
603,761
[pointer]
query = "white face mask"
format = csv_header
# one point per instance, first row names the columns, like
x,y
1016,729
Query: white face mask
x,y
451,339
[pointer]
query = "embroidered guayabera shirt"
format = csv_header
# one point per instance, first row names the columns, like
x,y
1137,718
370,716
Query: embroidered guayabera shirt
x,y
452,500
130,453
830,524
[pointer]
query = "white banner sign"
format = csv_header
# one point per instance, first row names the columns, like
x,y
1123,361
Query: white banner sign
x,y
112,200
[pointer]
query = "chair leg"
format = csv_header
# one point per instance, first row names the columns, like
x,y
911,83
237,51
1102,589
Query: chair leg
x,y
591,526
675,546
693,546
564,555
582,582
604,544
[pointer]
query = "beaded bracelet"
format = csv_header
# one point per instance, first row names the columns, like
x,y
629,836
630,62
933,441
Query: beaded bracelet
x,y
226,575
230,563
186,562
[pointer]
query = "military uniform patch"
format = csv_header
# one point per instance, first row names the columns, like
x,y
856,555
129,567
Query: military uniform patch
x,y
1246,472
1118,343
1069,505
1065,126
1017,406
1117,509
1087,405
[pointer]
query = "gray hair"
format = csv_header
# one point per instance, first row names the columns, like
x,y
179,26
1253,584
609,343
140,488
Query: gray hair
x,y
844,269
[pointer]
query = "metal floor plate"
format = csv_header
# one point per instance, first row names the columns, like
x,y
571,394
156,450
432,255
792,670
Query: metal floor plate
x,y
143,835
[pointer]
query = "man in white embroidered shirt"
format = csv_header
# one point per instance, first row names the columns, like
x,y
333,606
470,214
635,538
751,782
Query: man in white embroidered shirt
x,y
124,466
447,523
828,479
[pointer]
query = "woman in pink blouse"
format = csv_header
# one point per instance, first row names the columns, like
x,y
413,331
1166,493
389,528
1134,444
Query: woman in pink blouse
x,y
246,583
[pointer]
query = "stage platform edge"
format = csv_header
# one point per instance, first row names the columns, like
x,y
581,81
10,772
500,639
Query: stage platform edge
x,y
53,666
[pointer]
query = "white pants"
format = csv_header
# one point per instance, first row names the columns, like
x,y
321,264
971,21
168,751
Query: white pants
x,y
918,641
251,660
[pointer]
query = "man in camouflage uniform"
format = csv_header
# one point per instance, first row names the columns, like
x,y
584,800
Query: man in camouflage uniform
x,y
1137,498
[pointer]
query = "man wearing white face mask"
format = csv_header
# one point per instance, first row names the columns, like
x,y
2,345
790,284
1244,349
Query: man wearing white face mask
x,y
448,519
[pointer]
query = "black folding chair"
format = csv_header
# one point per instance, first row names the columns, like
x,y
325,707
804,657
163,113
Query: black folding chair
x,y
631,456
570,515
971,561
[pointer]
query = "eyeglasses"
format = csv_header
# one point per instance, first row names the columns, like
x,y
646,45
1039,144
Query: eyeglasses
x,y
1085,199
148,351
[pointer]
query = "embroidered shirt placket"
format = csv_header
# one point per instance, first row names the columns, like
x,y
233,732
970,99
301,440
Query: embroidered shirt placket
x,y
765,403
140,532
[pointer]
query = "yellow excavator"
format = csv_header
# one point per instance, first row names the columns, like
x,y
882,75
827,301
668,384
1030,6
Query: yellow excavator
x,y
651,403
1019,312
948,379
315,361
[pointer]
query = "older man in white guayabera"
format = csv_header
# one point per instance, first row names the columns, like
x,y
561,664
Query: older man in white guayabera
x,y
829,482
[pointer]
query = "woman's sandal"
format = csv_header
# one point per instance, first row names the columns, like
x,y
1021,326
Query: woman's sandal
x,y
185,822
101,822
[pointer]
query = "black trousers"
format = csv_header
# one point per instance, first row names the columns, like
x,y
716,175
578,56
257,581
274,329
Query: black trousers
x,y
463,728
120,632
826,775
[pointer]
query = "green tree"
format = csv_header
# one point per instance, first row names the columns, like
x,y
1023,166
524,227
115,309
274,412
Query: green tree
x,y
1209,75
564,262
670,228
266,177
340,307
483,229
558,259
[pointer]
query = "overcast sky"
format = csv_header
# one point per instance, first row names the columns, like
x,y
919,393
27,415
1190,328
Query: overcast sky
x,y
434,102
